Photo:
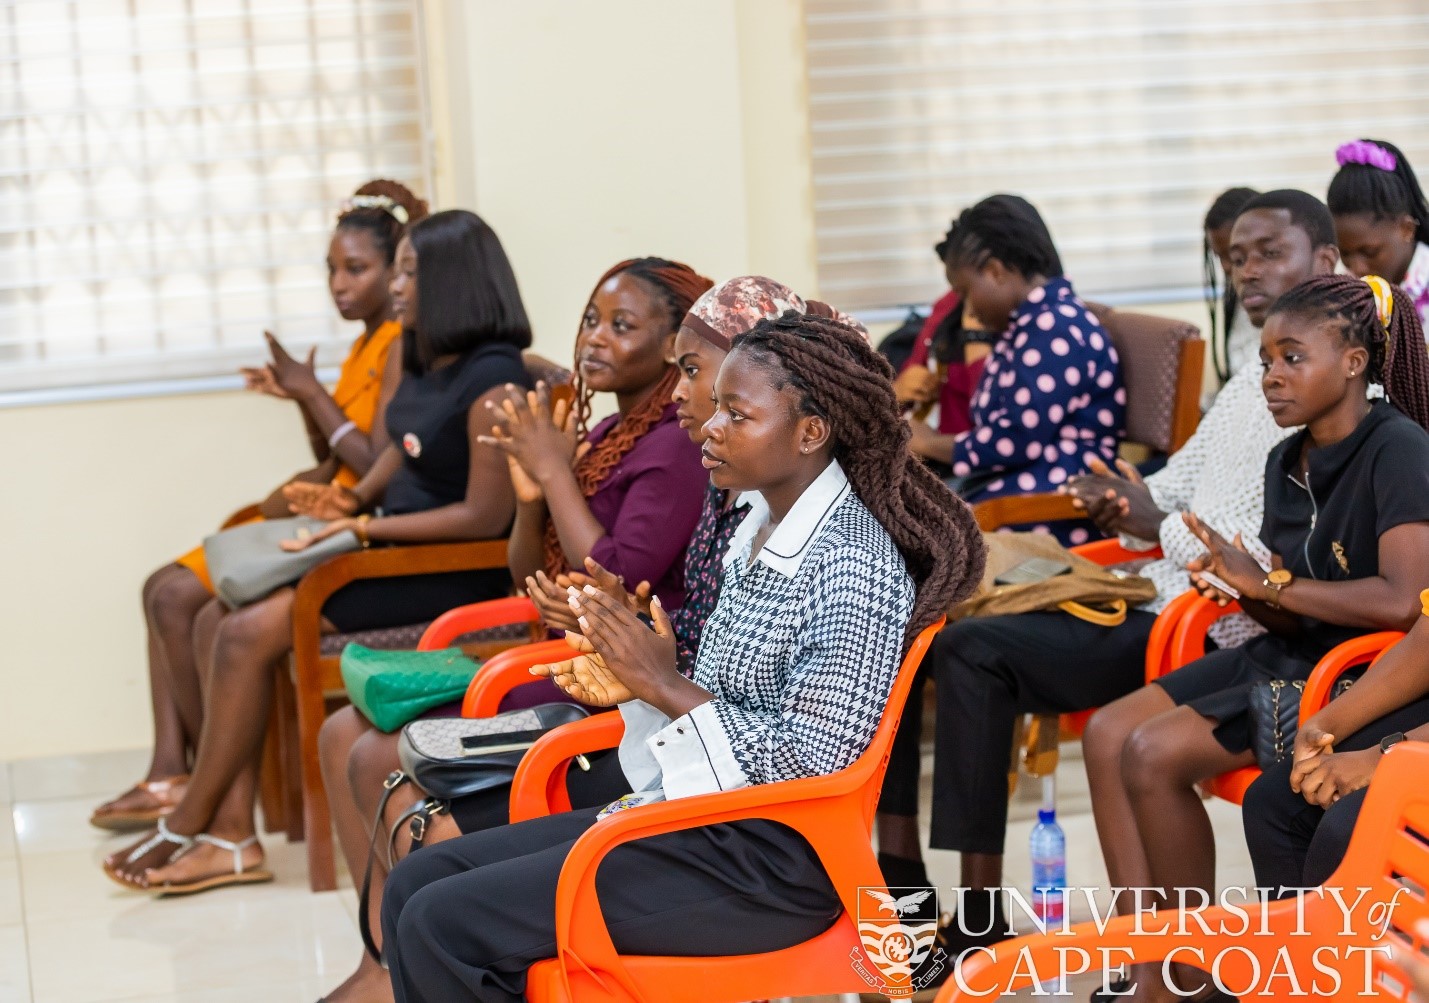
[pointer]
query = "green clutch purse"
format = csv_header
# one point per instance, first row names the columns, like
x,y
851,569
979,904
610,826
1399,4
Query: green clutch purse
x,y
390,688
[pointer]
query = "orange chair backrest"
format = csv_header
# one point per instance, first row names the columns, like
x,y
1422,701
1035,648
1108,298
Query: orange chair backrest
x,y
869,768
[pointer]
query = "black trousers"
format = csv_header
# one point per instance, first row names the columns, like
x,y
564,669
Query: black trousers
x,y
465,919
987,673
1294,843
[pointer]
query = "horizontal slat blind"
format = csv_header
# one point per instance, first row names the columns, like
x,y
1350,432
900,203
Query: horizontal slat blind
x,y
170,171
1121,120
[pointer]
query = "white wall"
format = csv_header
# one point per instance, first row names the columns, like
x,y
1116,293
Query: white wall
x,y
585,133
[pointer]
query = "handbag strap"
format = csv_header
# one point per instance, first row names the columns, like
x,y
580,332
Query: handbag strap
x,y
394,780
1114,615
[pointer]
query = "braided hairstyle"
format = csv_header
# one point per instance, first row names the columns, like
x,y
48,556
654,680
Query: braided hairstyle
x,y
676,286
842,380
1005,227
1398,359
1223,212
1383,194
384,228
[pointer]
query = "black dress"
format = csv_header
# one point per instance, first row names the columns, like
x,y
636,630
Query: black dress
x,y
426,420
1326,527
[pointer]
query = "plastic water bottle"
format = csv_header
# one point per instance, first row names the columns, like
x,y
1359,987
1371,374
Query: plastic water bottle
x,y
1049,870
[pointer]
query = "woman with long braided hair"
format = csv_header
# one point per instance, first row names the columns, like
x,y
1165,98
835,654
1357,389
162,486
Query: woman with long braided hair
x,y
1347,526
627,492
850,547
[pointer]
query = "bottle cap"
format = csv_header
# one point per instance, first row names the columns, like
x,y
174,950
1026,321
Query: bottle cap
x,y
1048,815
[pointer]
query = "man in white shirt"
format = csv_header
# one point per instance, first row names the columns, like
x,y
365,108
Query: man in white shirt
x,y
991,671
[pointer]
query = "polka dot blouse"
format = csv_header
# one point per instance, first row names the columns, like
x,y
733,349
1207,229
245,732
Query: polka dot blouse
x,y
1051,394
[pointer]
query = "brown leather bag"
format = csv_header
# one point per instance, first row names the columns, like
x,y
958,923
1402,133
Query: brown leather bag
x,y
1089,591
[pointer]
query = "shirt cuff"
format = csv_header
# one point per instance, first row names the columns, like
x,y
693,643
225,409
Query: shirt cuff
x,y
1137,543
695,755
641,722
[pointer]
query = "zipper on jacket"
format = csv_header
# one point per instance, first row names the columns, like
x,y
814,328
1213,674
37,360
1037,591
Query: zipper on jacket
x,y
1314,518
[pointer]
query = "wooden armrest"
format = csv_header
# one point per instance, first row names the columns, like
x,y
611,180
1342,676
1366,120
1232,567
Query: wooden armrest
x,y
318,585
540,785
1109,552
1340,659
1013,510
504,672
445,629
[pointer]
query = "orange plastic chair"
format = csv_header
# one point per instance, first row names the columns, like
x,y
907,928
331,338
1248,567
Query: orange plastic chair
x,y
1328,952
1194,616
834,813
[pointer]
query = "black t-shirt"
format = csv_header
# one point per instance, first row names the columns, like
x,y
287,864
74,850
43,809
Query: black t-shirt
x,y
426,420
1328,527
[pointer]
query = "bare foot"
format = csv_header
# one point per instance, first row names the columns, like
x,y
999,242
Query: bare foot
x,y
369,984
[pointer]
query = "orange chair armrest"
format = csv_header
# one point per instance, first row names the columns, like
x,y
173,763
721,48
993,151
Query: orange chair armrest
x,y
1158,645
503,672
246,514
1109,552
1339,660
1188,639
1013,510
540,785
445,629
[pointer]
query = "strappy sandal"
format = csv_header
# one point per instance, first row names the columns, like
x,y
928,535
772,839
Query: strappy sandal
x,y
161,791
161,836
238,876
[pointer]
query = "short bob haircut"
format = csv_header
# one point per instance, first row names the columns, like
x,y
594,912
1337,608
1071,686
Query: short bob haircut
x,y
466,291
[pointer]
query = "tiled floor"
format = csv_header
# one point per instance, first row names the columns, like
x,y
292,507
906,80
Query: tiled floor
x,y
68,935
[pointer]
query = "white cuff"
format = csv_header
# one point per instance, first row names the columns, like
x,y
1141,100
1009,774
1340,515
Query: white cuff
x,y
1136,543
641,721
695,755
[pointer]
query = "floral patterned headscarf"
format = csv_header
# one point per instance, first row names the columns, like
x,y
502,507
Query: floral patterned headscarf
x,y
734,307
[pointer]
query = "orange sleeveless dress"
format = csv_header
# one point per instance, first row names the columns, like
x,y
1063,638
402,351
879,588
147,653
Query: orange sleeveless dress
x,y
358,392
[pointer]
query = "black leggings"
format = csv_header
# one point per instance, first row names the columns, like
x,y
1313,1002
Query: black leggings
x,y
1294,843
988,672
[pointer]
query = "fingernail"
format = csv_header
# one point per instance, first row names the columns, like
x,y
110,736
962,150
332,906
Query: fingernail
x,y
590,590
655,601
572,591
573,603
581,620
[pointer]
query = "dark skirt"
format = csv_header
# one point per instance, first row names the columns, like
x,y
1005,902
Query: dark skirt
x,y
1218,684
379,603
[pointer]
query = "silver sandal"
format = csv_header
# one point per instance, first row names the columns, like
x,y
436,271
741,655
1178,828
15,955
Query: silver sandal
x,y
161,836
238,876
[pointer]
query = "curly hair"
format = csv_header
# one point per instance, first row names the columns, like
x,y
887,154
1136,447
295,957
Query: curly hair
x,y
384,228
1398,359
844,381
677,286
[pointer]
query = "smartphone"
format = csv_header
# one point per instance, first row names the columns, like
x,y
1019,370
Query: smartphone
x,y
1034,569
1213,580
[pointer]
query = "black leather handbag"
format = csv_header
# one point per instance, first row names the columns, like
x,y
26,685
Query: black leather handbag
x,y
1275,716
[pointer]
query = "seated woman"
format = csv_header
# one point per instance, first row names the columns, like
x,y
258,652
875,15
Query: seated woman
x,y
639,459
1382,218
1235,341
947,360
851,548
1347,526
340,430
1051,392
1299,815
464,327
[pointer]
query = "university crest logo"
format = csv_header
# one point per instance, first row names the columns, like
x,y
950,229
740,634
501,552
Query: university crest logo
x,y
898,928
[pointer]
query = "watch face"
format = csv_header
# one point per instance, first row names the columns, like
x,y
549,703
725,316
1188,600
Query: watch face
x,y
1279,577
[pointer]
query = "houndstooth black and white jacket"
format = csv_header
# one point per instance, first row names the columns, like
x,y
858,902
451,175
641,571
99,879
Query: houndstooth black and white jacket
x,y
800,653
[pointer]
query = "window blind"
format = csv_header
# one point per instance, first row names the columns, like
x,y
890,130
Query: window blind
x,y
1119,119
170,171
